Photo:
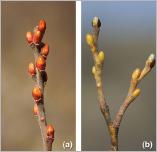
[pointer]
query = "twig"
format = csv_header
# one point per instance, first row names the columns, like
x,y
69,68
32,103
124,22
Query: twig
x,y
41,109
133,92
137,76
92,41
39,75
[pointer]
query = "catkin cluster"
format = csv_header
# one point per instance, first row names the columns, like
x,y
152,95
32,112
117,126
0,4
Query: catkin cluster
x,y
37,72
98,55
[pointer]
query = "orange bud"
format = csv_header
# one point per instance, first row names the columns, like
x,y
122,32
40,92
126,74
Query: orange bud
x,y
31,69
37,37
41,63
45,50
29,37
36,93
50,131
35,110
42,26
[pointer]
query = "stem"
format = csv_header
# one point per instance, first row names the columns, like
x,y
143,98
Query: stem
x,y
101,97
47,144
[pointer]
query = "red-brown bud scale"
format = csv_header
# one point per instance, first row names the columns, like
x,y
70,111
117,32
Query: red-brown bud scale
x,y
37,37
31,69
29,37
45,50
42,26
41,63
50,131
37,94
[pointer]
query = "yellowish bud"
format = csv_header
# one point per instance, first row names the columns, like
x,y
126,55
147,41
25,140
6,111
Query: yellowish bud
x,y
101,56
151,57
136,92
90,40
151,60
96,22
93,70
136,74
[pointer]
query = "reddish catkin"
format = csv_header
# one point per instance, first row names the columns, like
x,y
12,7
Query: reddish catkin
x,y
45,51
40,63
37,37
37,94
31,69
50,131
29,37
42,26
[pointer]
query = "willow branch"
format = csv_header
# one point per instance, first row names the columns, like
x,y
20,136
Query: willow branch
x,y
39,75
98,60
134,92
98,57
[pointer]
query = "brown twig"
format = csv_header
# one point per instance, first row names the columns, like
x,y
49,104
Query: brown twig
x,y
41,115
137,76
40,53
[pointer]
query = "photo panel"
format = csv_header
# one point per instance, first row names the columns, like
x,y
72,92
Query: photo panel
x,y
118,75
48,47
38,75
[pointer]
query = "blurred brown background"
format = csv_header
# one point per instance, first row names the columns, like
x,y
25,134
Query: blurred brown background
x,y
20,130
128,37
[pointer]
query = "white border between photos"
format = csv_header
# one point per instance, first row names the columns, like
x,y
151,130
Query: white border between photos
x,y
78,75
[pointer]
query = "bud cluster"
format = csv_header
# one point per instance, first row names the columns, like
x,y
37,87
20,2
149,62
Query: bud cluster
x,y
138,74
34,39
36,36
37,71
40,63
91,40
